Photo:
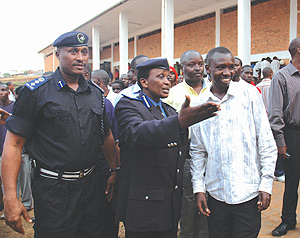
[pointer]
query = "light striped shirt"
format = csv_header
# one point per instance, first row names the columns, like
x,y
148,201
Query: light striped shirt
x,y
235,149
264,87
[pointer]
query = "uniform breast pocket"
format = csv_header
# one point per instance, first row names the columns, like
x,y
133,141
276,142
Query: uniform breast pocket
x,y
97,120
60,119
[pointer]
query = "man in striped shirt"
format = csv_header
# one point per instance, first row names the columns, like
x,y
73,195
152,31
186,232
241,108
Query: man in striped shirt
x,y
265,84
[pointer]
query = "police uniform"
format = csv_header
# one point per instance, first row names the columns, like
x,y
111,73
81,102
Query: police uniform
x,y
63,130
152,150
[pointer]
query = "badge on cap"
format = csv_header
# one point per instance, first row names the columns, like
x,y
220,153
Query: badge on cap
x,y
80,38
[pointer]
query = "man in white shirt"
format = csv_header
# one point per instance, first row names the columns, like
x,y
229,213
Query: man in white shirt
x,y
265,63
275,64
11,87
265,84
257,71
236,151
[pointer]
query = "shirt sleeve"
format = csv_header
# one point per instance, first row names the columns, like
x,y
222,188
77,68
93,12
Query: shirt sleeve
x,y
110,111
275,109
267,150
198,155
24,115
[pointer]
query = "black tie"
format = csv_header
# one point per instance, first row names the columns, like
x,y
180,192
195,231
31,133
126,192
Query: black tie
x,y
159,108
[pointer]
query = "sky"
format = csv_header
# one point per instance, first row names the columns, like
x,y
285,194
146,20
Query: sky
x,y
28,26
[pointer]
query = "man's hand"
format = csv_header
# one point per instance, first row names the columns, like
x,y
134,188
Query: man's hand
x,y
282,152
201,204
191,115
13,209
264,200
3,116
110,186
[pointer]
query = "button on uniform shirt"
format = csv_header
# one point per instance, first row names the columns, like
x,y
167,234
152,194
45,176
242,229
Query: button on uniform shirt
x,y
62,126
235,149
284,111
264,87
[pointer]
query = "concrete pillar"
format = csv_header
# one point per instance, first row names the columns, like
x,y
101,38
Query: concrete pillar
x,y
96,47
293,19
112,58
218,27
123,42
53,61
135,45
244,31
167,30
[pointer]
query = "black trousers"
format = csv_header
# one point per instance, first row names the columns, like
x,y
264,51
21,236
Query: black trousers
x,y
172,233
290,197
111,226
292,174
233,221
68,209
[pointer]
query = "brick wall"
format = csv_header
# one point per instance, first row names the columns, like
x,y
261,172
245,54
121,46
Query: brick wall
x,y
131,50
56,62
150,46
270,26
49,63
228,31
105,54
269,32
198,36
116,53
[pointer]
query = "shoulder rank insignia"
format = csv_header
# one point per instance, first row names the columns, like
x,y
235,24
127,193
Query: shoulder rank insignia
x,y
34,84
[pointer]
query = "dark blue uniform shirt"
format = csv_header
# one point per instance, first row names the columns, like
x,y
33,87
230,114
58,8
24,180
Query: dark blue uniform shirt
x,y
62,126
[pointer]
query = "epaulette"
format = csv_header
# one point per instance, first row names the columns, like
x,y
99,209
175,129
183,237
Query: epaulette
x,y
134,98
91,82
35,83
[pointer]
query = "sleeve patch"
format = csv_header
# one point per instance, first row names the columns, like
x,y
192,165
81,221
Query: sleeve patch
x,y
34,84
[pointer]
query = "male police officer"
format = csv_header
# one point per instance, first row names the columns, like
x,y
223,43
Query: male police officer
x,y
63,122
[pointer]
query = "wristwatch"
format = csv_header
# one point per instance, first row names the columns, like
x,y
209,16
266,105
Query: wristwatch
x,y
114,170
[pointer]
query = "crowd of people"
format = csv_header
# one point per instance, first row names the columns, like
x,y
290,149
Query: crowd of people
x,y
198,144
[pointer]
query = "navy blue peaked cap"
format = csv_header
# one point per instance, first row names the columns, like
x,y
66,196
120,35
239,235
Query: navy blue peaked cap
x,y
71,39
161,63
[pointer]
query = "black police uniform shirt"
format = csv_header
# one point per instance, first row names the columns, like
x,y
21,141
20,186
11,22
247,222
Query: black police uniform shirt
x,y
62,126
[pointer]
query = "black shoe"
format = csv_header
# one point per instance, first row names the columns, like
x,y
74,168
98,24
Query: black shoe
x,y
282,229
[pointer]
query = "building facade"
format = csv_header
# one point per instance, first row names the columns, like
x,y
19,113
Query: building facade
x,y
167,28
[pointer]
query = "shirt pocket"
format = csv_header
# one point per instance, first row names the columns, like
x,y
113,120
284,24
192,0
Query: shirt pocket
x,y
60,120
146,207
97,120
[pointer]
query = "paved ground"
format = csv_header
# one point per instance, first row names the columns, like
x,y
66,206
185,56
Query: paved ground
x,y
270,219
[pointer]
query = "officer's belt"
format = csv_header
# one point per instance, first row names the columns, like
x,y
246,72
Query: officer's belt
x,y
69,176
